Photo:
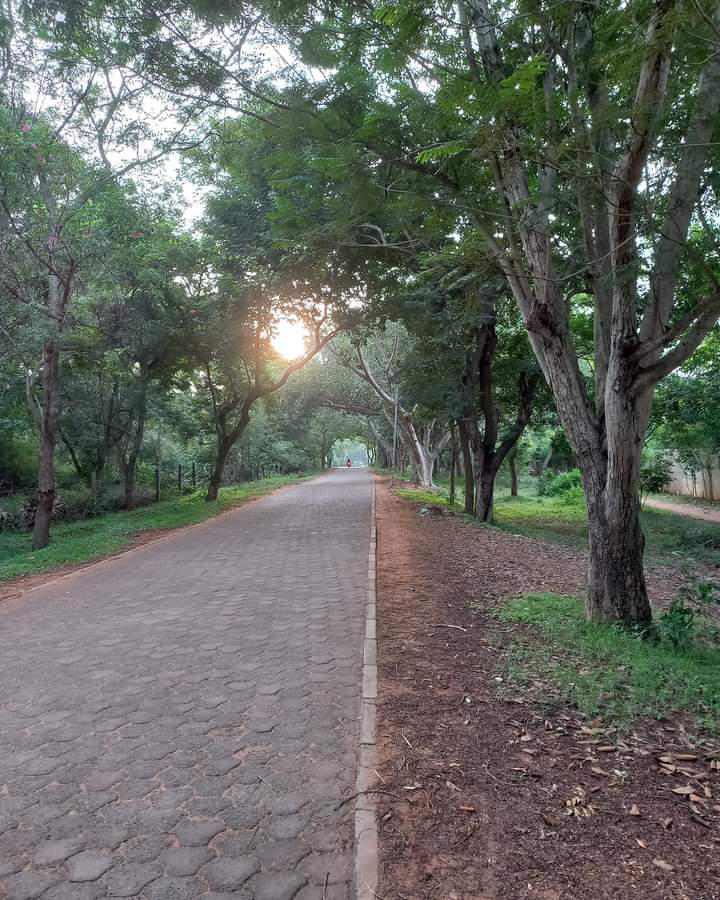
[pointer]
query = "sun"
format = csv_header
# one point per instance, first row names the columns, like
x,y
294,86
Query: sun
x,y
289,338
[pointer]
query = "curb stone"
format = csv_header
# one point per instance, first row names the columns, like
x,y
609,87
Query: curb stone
x,y
366,832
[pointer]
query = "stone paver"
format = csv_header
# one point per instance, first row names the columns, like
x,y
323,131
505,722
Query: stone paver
x,y
182,722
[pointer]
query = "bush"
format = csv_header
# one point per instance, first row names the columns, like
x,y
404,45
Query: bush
x,y
655,474
544,481
565,485
685,619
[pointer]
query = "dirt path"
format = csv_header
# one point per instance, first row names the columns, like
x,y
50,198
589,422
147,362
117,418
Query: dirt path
x,y
686,509
479,787
181,722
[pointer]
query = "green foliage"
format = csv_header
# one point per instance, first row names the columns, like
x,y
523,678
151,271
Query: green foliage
x,y
672,539
567,485
655,474
86,540
685,621
676,626
426,498
609,672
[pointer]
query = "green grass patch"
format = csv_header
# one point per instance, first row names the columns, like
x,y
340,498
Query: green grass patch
x,y
426,498
89,539
671,539
608,672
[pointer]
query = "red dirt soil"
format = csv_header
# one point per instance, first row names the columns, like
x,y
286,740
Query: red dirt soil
x,y
485,796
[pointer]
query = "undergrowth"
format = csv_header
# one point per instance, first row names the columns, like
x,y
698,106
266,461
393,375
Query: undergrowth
x,y
609,672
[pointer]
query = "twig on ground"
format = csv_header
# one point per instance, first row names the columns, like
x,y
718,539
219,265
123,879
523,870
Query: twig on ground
x,y
369,791
445,625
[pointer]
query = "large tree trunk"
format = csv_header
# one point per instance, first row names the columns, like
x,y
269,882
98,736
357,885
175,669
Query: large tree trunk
x,y
217,473
52,401
485,492
216,479
616,578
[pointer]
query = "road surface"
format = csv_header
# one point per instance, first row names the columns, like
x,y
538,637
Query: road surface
x,y
181,721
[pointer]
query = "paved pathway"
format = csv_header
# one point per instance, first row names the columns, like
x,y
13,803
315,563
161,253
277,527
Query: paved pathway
x,y
181,722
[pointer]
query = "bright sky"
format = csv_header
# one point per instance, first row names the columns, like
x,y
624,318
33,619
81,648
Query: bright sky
x,y
289,339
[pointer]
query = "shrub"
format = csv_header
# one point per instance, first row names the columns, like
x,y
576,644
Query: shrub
x,y
655,474
567,485
679,625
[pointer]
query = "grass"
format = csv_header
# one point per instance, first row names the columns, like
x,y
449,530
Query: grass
x,y
672,539
89,539
610,673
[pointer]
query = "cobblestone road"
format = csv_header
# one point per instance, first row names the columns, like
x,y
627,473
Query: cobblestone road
x,y
181,722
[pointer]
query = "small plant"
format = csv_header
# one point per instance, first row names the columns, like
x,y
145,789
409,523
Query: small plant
x,y
655,475
572,495
676,626
680,624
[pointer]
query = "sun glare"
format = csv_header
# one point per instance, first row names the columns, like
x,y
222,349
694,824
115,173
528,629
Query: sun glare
x,y
289,339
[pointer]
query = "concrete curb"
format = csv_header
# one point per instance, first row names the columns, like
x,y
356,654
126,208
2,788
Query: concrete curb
x,y
366,832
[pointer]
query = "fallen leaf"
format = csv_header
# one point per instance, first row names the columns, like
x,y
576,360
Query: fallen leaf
x,y
685,790
661,864
453,787
634,811
598,771
642,844
467,808
606,748
666,823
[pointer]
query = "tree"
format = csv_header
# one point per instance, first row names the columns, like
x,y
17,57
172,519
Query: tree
x,y
238,371
588,175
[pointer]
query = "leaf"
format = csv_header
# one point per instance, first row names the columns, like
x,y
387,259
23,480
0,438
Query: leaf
x,y
441,151
598,771
634,810
468,808
640,843
685,790
661,864
606,748
453,787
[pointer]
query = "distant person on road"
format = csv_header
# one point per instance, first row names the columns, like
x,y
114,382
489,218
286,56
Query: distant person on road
x,y
348,463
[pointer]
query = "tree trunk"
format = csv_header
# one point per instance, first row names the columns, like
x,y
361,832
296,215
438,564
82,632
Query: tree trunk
x,y
467,466
512,464
130,487
216,478
131,463
453,462
52,399
545,461
616,577
485,492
